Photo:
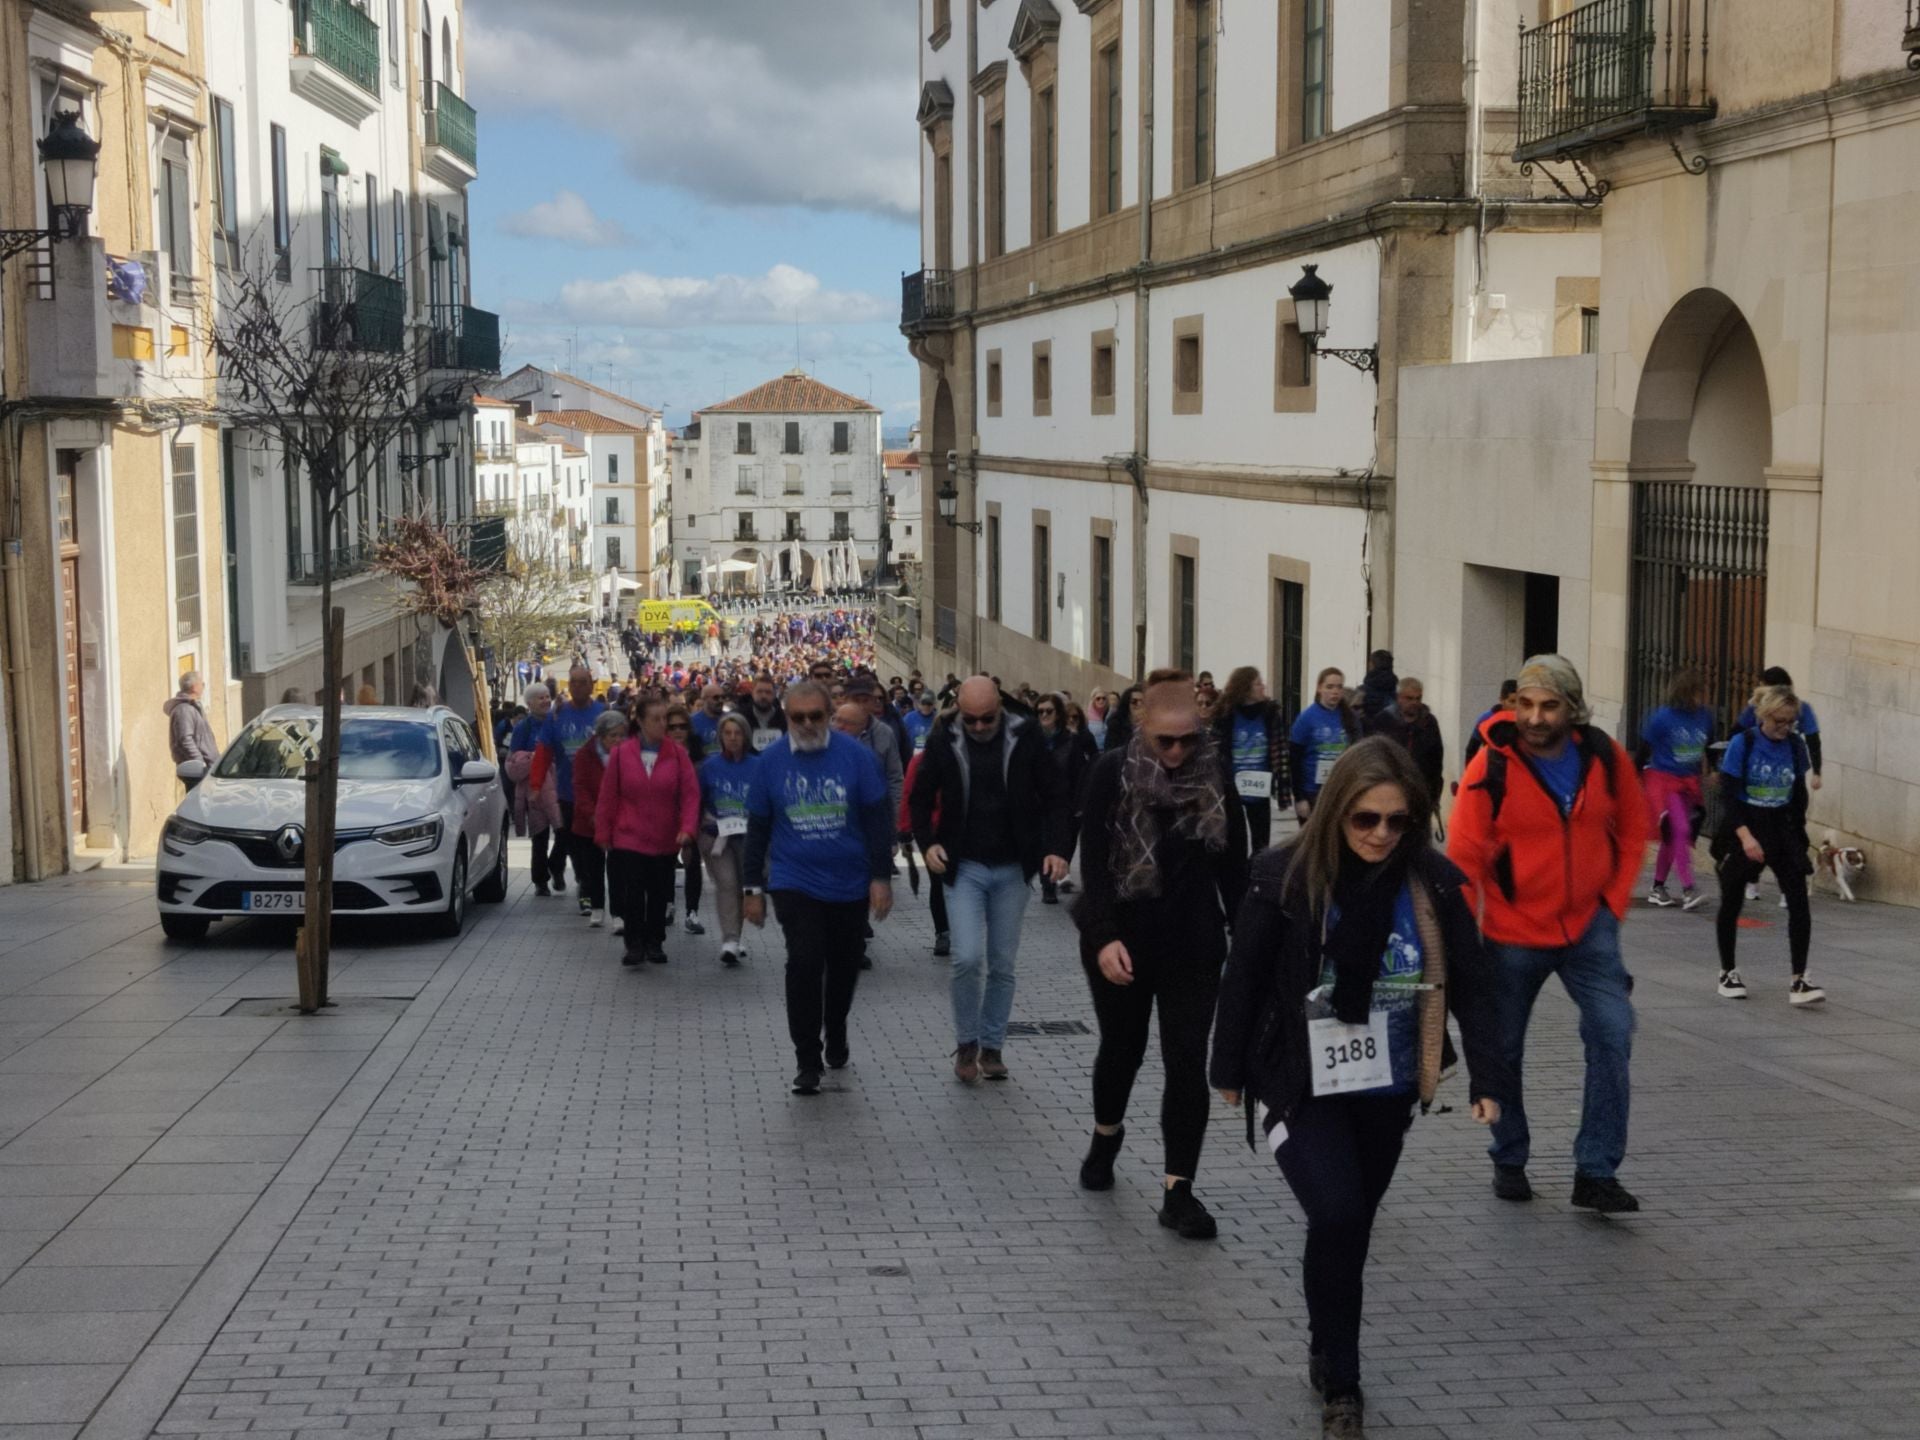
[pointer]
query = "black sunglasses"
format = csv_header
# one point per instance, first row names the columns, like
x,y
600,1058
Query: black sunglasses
x,y
980,722
1362,822
806,717
1164,743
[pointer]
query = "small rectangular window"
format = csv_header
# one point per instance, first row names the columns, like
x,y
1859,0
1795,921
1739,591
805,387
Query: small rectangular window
x,y
1589,331
176,207
743,438
613,510
226,189
1103,372
842,480
613,469
1294,358
186,544
793,480
993,567
282,207
1103,599
843,525
1042,583
613,551
1186,613
1290,644
842,437
1043,379
1313,71
792,445
993,383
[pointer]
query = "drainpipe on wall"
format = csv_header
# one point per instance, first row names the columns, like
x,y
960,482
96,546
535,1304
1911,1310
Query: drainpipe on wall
x,y
967,336
1142,429
1474,141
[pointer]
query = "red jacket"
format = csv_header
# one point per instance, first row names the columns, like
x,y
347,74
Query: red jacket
x,y
905,818
1538,877
588,768
641,812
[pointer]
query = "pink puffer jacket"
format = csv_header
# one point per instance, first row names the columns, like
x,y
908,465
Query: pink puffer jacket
x,y
646,813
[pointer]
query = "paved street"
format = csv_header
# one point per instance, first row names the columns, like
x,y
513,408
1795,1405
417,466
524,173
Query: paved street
x,y
508,1189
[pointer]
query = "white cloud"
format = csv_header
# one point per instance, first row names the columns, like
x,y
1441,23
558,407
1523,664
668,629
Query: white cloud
x,y
569,219
743,102
781,296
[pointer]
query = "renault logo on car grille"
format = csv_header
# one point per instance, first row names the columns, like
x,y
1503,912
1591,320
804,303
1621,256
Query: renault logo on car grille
x,y
288,841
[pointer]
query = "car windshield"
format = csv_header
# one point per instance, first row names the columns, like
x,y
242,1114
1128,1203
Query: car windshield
x,y
369,750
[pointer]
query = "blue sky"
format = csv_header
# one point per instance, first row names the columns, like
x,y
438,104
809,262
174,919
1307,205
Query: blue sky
x,y
667,185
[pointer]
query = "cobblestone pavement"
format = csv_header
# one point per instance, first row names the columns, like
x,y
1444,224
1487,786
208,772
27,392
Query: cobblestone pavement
x,y
528,1193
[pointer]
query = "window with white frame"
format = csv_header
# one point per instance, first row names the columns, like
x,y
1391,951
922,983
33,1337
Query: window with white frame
x,y
226,186
176,214
186,542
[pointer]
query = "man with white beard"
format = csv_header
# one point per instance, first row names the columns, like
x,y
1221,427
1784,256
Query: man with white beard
x,y
820,840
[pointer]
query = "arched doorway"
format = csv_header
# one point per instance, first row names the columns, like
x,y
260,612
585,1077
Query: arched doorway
x,y
945,539
1702,442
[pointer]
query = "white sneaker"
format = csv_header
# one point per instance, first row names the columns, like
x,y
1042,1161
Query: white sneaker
x,y
596,918
1732,987
619,927
1805,992
1753,892
1692,900
1783,902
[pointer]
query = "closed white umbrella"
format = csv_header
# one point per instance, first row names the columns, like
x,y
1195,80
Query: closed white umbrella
x,y
854,577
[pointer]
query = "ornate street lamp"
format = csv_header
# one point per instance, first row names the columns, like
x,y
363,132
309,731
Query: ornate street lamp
x,y
1312,303
948,497
71,158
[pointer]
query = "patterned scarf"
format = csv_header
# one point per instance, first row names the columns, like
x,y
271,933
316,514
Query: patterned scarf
x,y
1193,798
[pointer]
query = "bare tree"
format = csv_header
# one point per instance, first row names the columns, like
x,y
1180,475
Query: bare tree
x,y
333,376
528,603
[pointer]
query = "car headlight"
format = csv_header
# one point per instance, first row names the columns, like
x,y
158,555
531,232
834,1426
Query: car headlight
x,y
185,832
416,837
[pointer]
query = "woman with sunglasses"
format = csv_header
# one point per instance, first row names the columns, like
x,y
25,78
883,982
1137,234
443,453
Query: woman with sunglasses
x,y
1350,947
1163,864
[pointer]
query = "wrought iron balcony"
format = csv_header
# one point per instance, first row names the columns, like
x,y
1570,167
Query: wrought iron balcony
x,y
361,310
463,338
453,136
794,532
1609,69
926,296
348,560
840,532
346,40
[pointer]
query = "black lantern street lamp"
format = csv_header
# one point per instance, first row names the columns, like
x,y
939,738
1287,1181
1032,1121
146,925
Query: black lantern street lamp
x,y
948,497
1312,303
71,158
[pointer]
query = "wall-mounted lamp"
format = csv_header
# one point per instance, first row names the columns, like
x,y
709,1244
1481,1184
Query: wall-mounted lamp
x,y
1312,302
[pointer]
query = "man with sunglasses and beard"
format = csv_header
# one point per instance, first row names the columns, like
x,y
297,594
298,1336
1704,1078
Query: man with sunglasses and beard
x,y
820,840
1551,829
1164,866
1004,817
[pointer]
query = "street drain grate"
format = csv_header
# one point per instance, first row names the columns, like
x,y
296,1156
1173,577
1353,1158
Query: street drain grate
x,y
278,1007
1048,1027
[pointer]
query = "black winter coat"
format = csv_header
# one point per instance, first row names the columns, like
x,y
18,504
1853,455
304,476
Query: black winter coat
x,y
1036,793
1260,1027
1201,889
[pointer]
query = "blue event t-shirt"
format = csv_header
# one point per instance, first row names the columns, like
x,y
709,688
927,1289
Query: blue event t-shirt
x,y
1561,774
918,728
1401,962
1249,742
724,783
1324,734
819,843
706,726
1678,739
568,728
1769,775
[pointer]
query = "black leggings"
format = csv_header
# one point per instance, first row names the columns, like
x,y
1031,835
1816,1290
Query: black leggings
x,y
641,888
1339,1157
690,862
1259,824
1736,873
1186,986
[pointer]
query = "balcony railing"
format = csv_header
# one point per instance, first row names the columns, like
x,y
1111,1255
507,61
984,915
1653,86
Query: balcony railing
x,y
946,628
794,532
1610,68
349,559
840,532
452,124
361,310
463,338
744,531
494,507
341,36
1910,42
926,295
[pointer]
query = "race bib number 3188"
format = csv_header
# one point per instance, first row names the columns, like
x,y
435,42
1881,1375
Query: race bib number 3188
x,y
1350,1058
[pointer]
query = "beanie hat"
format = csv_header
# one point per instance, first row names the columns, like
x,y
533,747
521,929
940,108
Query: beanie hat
x,y
1556,673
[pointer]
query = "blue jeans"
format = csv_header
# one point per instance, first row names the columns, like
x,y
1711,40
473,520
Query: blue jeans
x,y
1597,981
985,905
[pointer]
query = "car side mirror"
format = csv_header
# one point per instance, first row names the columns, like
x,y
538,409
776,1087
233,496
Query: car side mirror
x,y
192,769
477,772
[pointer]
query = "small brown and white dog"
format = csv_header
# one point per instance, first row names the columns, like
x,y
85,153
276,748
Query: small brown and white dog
x,y
1844,862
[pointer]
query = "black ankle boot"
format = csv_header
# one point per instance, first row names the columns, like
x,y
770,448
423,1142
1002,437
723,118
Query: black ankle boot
x,y
1096,1171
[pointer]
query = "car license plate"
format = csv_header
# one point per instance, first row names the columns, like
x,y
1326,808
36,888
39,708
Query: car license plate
x,y
285,902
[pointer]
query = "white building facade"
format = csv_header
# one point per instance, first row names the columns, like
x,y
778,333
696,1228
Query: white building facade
x,y
787,491
341,153
906,528
1151,461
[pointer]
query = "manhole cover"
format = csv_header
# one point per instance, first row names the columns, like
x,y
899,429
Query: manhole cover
x,y
280,1007
1048,1027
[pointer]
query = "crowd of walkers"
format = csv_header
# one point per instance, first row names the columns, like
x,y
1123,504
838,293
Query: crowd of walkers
x,y
1315,978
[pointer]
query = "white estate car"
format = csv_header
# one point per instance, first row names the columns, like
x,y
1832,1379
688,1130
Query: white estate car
x,y
422,822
